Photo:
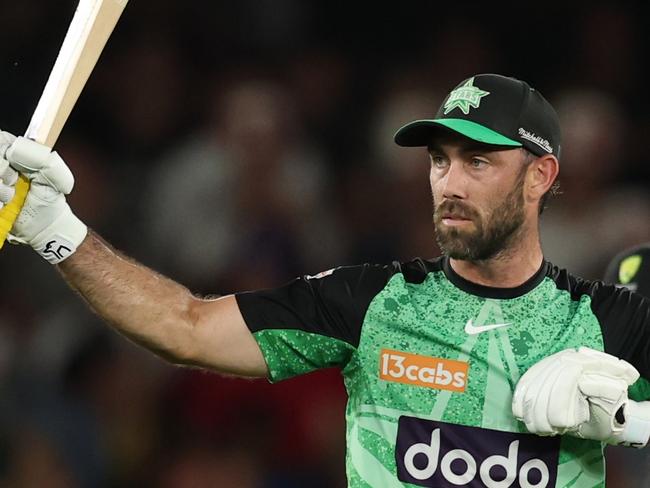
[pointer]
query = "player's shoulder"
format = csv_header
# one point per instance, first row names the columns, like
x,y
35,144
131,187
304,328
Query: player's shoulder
x,y
417,269
597,290
414,270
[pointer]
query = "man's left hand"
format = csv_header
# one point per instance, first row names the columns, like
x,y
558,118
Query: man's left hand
x,y
581,393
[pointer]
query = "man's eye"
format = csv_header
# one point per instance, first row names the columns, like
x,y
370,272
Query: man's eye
x,y
438,161
478,163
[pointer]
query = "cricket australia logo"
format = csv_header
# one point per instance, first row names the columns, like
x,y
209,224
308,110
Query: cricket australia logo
x,y
465,97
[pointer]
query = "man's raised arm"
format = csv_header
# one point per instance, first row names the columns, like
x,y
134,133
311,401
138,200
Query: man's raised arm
x,y
152,310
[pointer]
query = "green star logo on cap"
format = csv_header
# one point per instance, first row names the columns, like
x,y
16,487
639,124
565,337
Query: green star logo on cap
x,y
465,97
629,268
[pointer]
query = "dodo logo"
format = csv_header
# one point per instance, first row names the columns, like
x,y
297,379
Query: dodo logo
x,y
441,455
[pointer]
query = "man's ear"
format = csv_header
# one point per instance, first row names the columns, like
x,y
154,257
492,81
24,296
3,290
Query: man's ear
x,y
542,173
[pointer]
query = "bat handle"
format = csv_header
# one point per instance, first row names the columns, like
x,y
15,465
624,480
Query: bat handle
x,y
9,213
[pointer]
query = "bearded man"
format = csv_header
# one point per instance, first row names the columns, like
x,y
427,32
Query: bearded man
x,y
485,367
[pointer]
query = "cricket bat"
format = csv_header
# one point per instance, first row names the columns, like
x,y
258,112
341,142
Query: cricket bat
x,y
91,26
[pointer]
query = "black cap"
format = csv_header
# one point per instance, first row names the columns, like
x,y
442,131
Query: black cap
x,y
492,109
631,269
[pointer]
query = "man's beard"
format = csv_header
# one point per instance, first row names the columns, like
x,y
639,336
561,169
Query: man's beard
x,y
490,237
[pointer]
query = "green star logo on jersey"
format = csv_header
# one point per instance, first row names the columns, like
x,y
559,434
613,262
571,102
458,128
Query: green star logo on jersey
x,y
629,268
465,97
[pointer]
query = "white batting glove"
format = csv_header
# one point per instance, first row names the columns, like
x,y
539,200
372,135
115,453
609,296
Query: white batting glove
x,y
8,178
582,393
547,398
45,222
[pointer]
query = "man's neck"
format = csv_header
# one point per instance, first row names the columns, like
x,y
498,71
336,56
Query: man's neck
x,y
509,269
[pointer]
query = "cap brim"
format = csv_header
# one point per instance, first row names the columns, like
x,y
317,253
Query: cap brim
x,y
421,132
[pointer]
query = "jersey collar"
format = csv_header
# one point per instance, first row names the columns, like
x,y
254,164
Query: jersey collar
x,y
493,292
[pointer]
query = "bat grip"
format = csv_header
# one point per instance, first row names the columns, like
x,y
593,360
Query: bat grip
x,y
9,213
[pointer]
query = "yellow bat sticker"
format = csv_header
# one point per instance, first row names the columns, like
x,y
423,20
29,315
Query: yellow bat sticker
x,y
629,268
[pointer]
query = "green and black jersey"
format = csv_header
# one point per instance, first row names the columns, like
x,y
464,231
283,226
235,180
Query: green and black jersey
x,y
430,362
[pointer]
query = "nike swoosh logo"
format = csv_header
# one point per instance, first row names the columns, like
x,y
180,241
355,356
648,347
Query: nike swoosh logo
x,y
472,329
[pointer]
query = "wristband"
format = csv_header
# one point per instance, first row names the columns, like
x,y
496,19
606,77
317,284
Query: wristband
x,y
636,430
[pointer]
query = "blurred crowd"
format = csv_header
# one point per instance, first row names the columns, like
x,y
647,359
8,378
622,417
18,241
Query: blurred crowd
x,y
235,145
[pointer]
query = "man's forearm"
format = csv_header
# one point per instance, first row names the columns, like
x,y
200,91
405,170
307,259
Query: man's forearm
x,y
152,310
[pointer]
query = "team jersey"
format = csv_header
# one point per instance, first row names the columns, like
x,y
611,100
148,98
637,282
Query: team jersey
x,y
430,362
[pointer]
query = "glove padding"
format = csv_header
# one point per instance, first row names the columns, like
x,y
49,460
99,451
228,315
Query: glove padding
x,y
578,393
45,222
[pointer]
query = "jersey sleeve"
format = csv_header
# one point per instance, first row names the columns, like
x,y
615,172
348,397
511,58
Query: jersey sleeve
x,y
624,318
312,322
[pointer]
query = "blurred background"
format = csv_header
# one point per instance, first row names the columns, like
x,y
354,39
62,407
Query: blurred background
x,y
235,145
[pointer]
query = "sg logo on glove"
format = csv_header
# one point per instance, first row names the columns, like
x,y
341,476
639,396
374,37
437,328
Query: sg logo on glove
x,y
56,251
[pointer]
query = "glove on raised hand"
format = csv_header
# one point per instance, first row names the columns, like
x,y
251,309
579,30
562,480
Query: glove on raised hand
x,y
45,222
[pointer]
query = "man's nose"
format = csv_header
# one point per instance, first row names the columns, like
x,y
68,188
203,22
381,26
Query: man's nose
x,y
454,182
